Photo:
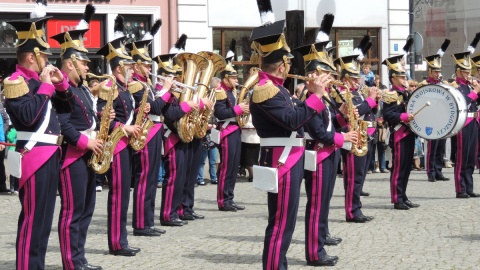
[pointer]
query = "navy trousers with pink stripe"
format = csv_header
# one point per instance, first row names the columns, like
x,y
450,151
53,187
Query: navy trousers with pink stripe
x,y
77,195
434,159
319,186
174,181
193,163
146,170
37,197
118,199
353,178
282,217
402,156
230,148
466,141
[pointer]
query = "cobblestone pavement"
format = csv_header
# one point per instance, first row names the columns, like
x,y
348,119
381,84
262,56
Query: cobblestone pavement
x,y
444,233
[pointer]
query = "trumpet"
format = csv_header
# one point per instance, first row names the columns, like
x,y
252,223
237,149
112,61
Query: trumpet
x,y
176,83
303,78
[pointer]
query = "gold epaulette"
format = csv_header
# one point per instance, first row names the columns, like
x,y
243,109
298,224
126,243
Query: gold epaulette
x,y
445,82
454,84
264,92
176,94
391,96
220,94
134,87
104,91
422,83
15,88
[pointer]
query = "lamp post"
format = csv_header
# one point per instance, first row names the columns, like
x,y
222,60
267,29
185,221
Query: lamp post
x,y
411,7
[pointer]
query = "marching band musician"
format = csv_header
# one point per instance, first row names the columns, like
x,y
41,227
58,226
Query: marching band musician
x,y
226,110
77,179
436,148
355,167
34,94
467,138
323,139
147,159
402,139
176,152
476,71
124,106
277,121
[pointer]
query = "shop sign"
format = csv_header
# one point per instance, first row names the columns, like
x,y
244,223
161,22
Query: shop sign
x,y
92,38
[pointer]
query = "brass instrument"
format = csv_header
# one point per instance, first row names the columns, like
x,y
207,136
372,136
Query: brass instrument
x,y
201,117
303,78
361,147
101,162
191,64
178,84
243,118
145,123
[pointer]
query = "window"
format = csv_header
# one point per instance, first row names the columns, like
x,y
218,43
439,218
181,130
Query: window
x,y
221,44
136,27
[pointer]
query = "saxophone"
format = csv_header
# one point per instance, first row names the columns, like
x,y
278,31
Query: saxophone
x,y
101,162
215,63
191,64
361,147
244,97
145,123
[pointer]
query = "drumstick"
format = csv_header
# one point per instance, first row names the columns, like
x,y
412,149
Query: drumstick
x,y
424,106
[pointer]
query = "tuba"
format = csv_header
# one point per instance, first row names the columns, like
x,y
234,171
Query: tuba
x,y
244,96
101,162
145,123
215,63
361,147
191,64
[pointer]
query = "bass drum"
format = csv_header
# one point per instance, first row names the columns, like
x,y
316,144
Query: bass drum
x,y
443,118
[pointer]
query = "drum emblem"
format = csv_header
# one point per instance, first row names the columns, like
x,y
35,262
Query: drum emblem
x,y
428,130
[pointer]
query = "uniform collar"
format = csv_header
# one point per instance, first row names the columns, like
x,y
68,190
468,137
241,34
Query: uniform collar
x,y
27,73
139,77
263,76
431,80
225,87
461,81
398,88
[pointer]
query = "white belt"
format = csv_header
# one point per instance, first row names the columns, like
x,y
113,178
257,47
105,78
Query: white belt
x,y
371,124
472,114
43,138
155,118
231,119
91,134
283,141
307,136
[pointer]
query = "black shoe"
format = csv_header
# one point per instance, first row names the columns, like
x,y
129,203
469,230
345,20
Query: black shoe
x,y
431,179
473,194
173,222
123,252
4,190
145,232
201,183
384,171
187,217
443,178
359,219
197,216
410,204
401,206
238,207
250,179
214,182
462,195
91,267
134,249
369,218
364,193
162,231
230,208
325,261
332,241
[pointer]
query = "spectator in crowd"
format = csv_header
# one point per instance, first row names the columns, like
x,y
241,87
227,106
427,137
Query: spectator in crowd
x,y
12,138
300,92
209,149
368,74
3,177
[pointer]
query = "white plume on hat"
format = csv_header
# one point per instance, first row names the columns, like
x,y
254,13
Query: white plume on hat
x,y
87,16
40,9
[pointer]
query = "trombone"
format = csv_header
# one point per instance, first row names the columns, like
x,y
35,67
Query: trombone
x,y
176,83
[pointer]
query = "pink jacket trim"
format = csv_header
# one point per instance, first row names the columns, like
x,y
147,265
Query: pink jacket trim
x,y
404,117
46,89
338,139
33,160
185,107
237,110
371,102
315,103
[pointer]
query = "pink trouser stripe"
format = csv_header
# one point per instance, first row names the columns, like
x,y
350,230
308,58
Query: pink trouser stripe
x,y
222,173
27,225
280,222
142,188
65,223
170,188
116,202
458,163
350,177
395,172
429,156
315,209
